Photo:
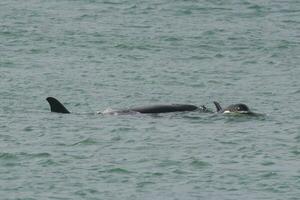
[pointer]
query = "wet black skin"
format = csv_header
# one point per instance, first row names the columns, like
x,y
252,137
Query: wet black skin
x,y
58,107
234,108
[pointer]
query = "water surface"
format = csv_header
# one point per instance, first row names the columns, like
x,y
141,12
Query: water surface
x,y
97,55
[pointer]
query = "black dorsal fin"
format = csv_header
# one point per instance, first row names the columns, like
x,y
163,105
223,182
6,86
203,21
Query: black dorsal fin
x,y
56,106
218,106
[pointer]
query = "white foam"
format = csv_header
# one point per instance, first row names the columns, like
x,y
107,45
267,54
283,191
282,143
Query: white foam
x,y
239,112
107,111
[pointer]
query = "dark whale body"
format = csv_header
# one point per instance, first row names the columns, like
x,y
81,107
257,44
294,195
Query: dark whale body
x,y
162,108
58,107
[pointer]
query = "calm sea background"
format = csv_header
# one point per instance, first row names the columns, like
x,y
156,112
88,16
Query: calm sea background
x,y
111,54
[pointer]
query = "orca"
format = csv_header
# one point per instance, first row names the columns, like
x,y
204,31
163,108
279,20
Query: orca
x,y
234,108
56,106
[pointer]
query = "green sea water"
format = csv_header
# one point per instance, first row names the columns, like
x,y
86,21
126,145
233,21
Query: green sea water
x,y
112,54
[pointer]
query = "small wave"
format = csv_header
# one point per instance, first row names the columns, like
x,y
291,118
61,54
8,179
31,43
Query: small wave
x,y
179,171
87,141
241,117
48,162
267,163
295,152
256,7
8,156
296,92
157,174
40,155
269,175
199,164
24,155
119,171
168,163
171,39
145,183
28,129
86,192
15,159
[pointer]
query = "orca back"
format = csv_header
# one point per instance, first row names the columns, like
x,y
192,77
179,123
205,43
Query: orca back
x,y
56,106
165,108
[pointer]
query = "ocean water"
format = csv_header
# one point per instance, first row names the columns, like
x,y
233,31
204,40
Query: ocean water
x,y
111,54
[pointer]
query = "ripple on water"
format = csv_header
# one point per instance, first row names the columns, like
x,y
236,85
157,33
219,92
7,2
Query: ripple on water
x,y
267,163
28,128
15,159
144,184
296,92
199,164
87,192
87,141
169,163
187,51
39,155
48,162
236,117
119,171
269,175
8,156
296,152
